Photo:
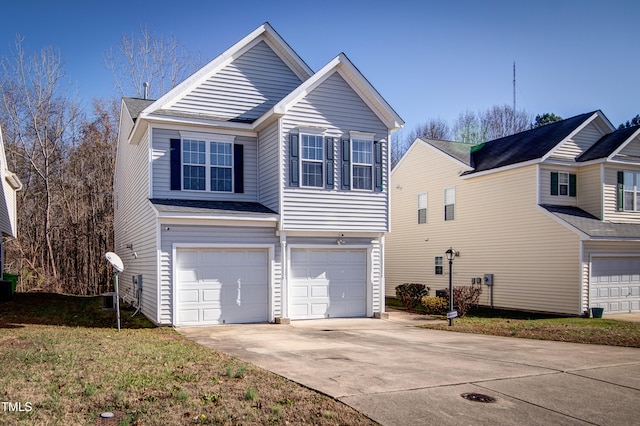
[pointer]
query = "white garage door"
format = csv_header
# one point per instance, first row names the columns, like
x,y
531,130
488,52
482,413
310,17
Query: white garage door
x,y
615,284
221,286
327,283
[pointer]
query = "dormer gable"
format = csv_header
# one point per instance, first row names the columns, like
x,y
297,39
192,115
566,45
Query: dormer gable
x,y
581,138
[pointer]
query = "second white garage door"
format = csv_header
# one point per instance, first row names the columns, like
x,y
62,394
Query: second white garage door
x,y
615,284
221,286
327,283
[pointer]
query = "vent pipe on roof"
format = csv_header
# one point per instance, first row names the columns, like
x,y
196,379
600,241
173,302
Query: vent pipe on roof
x,y
146,89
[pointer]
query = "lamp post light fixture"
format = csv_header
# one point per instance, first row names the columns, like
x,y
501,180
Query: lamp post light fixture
x,y
451,253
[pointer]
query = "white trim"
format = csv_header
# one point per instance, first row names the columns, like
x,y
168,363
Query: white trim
x,y
502,169
435,149
207,137
354,134
624,144
270,265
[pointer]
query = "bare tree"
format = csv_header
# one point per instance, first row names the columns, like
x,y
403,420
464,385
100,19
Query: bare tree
x,y
500,121
40,126
434,128
468,128
161,61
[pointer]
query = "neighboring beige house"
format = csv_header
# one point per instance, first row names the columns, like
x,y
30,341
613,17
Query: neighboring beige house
x,y
8,213
255,191
552,213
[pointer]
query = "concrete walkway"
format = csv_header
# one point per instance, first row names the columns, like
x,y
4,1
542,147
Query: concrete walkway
x,y
398,374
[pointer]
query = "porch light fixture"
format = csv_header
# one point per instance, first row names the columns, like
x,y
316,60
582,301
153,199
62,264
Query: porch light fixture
x,y
451,254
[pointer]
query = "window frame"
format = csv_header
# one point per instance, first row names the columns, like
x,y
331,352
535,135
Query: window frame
x,y
438,262
208,140
423,204
318,137
635,191
453,204
368,140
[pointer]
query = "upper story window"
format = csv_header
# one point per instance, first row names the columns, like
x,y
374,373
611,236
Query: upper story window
x,y
312,160
207,164
422,208
362,164
438,265
449,203
631,190
563,183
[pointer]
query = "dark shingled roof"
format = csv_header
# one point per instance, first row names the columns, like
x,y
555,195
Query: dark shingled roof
x,y
592,226
136,106
458,150
607,144
525,146
211,207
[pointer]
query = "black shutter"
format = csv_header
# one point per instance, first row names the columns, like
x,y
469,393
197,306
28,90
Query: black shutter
x,y
346,164
620,191
572,185
377,168
554,183
238,168
176,165
294,160
329,163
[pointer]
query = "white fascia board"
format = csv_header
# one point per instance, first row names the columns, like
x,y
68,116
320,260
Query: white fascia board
x,y
264,32
198,122
624,144
572,134
502,169
169,218
356,81
370,95
570,227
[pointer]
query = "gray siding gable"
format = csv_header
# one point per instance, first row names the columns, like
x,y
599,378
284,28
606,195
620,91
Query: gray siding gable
x,y
244,89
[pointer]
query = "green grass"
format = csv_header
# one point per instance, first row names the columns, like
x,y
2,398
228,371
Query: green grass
x,y
546,327
63,355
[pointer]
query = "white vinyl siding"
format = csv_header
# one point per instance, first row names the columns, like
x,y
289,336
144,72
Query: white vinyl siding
x,y
334,106
243,90
578,144
630,153
525,237
268,167
135,223
162,170
589,189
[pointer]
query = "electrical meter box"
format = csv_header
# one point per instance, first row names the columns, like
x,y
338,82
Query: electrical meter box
x,y
488,279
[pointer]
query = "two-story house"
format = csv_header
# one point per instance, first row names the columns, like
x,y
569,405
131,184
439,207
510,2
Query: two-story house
x,y
256,190
550,215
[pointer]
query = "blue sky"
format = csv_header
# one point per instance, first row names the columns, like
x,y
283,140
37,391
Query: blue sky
x,y
428,59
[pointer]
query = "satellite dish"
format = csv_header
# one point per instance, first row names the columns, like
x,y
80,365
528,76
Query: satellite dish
x,y
115,261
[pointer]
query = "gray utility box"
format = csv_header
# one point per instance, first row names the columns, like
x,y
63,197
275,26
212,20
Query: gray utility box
x,y
488,279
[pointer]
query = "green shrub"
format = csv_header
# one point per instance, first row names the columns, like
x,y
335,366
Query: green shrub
x,y
410,294
434,305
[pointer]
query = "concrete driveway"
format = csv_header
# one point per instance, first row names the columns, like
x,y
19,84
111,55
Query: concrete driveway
x,y
398,374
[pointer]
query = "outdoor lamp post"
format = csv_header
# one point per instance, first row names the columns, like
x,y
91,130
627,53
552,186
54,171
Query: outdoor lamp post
x,y
451,253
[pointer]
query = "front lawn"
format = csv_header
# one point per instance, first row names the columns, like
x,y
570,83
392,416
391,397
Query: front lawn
x,y
63,362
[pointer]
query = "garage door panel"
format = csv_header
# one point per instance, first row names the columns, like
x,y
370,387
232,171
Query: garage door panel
x,y
615,284
221,286
327,283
